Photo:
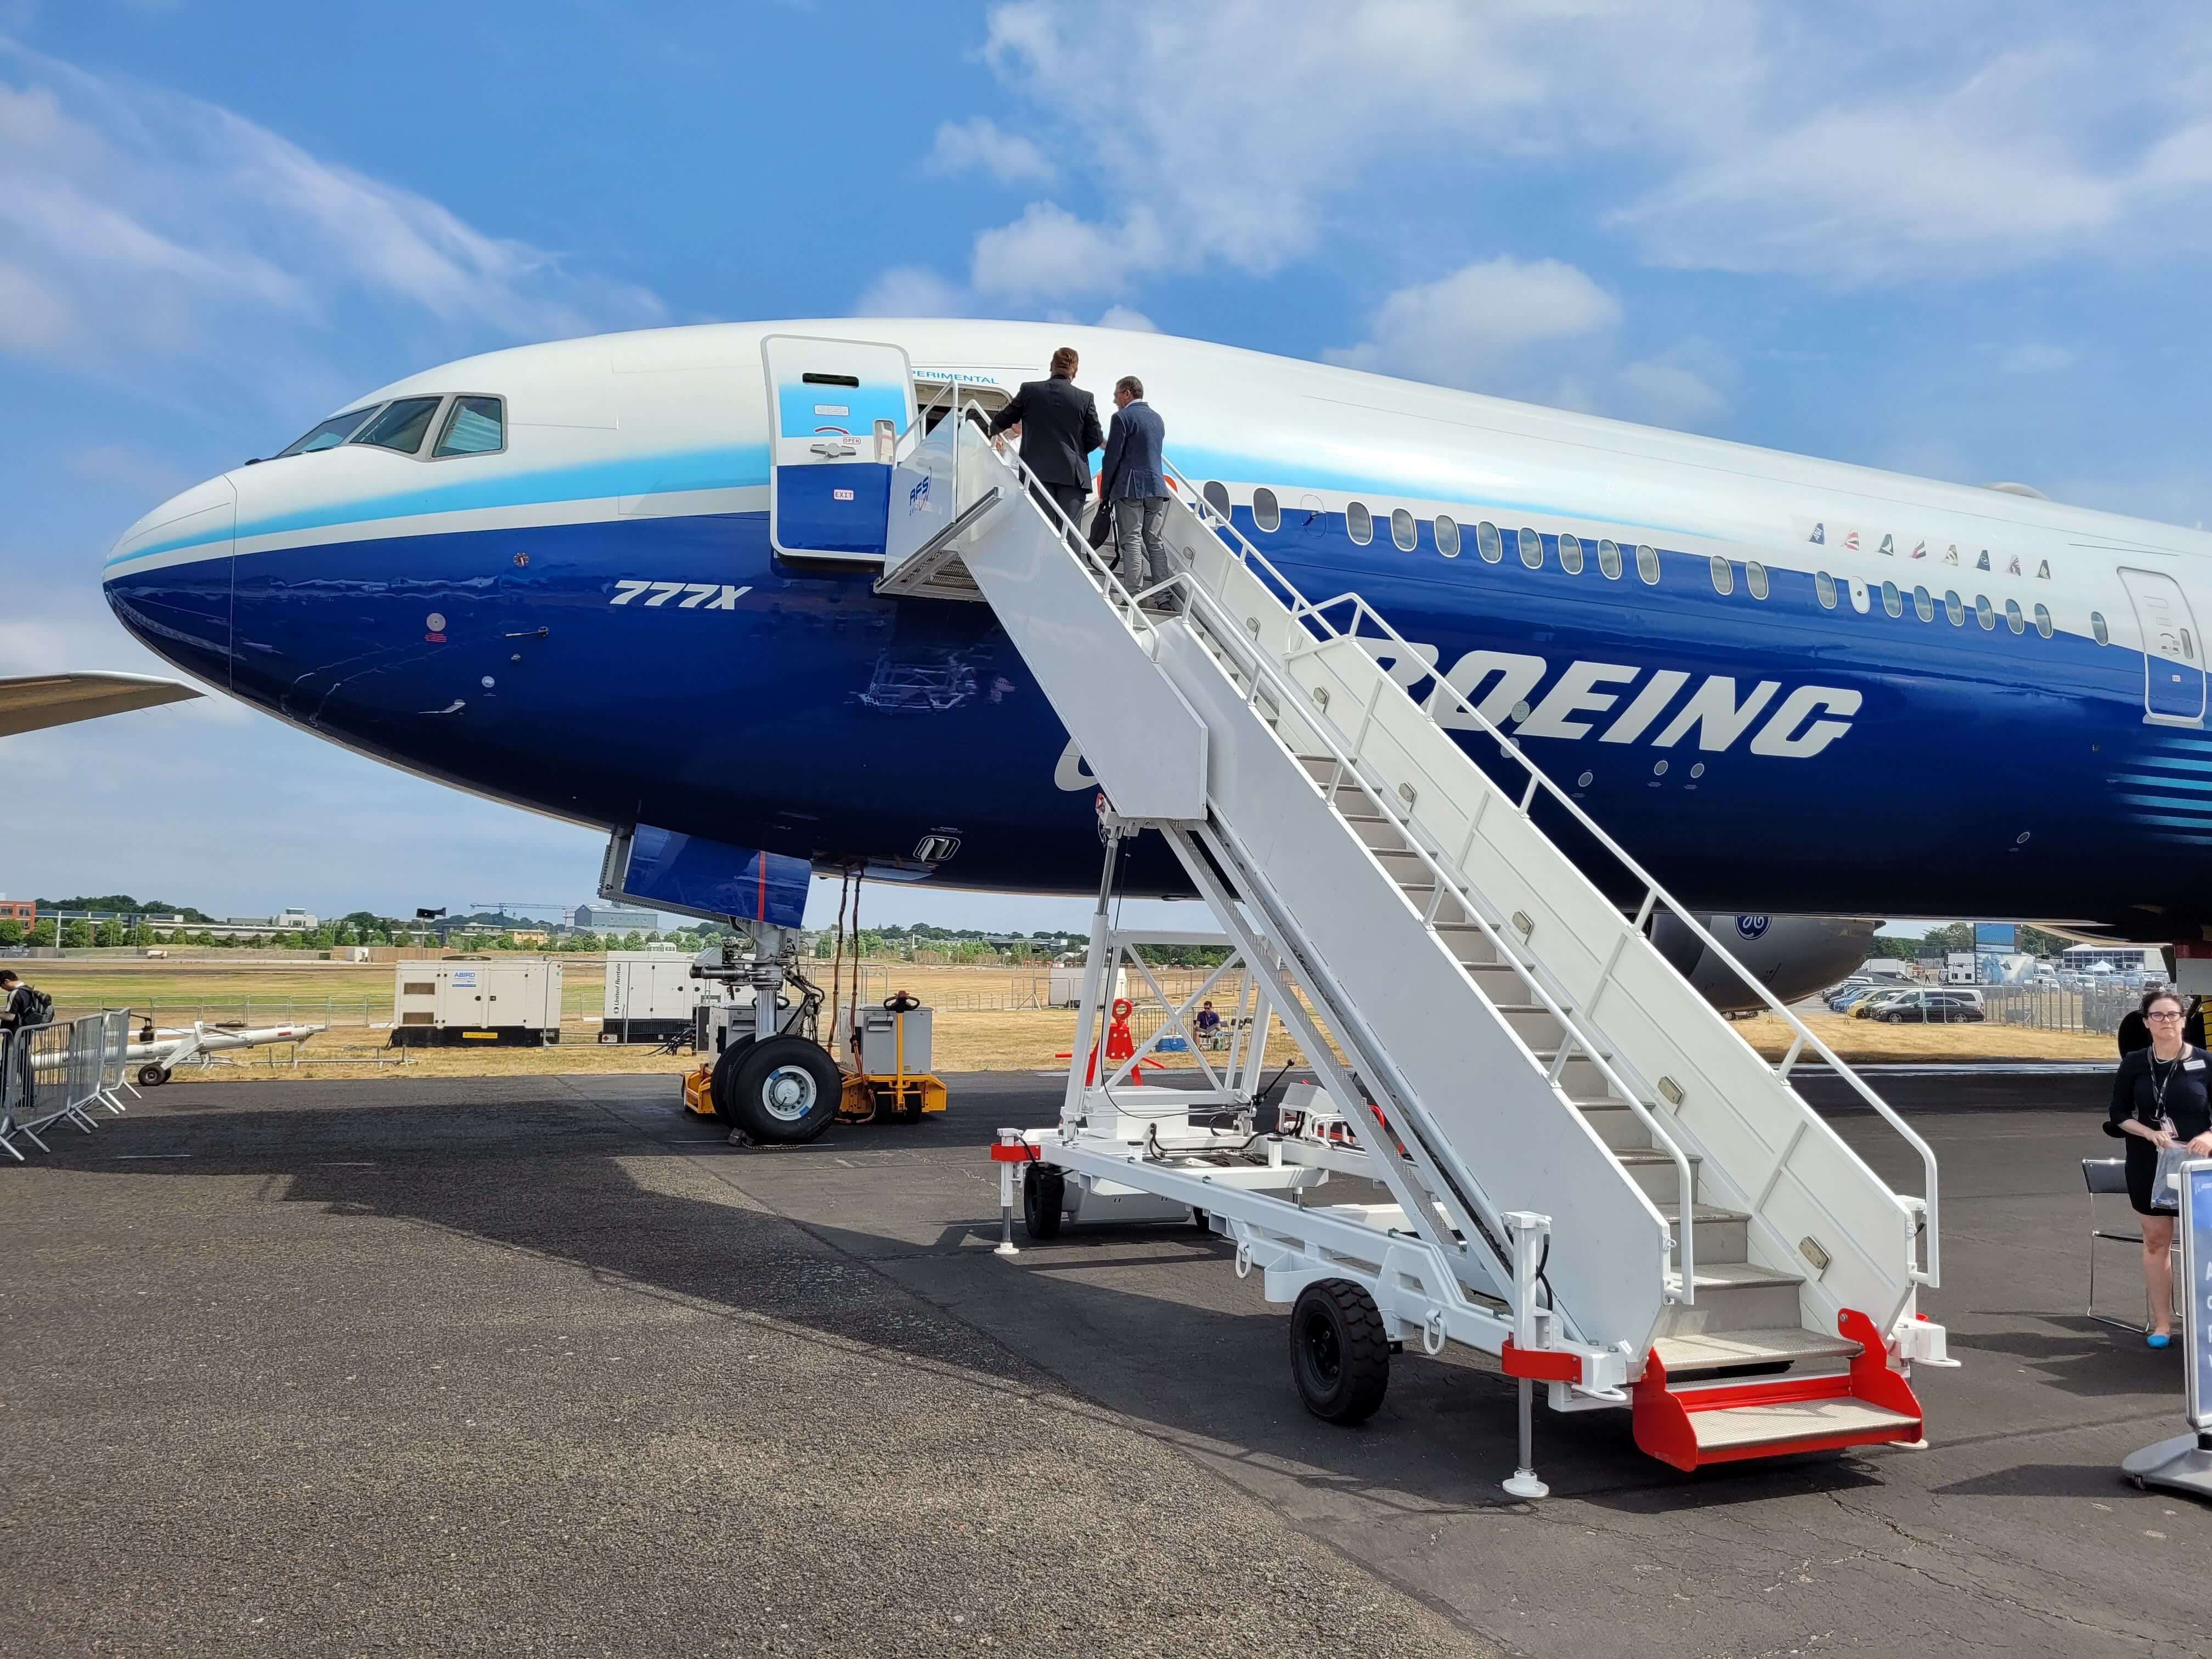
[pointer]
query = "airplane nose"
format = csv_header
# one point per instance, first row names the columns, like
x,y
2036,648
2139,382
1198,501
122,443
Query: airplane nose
x,y
168,580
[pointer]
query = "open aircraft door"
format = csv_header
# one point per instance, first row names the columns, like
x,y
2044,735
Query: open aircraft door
x,y
2173,651
839,407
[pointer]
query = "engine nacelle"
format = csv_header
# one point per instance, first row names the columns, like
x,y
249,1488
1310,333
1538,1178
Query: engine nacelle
x,y
1792,956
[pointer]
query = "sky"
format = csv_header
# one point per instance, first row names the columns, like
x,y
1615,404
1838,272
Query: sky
x,y
1966,242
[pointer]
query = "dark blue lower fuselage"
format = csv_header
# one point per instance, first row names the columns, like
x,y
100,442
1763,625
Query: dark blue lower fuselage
x,y
1985,772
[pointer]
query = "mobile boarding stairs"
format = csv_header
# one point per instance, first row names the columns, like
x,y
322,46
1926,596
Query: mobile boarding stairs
x,y
1563,1156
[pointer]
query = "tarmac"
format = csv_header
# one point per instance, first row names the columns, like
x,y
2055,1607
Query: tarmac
x,y
542,1366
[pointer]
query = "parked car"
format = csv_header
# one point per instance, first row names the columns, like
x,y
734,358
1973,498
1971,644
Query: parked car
x,y
1931,1008
1865,1006
1859,994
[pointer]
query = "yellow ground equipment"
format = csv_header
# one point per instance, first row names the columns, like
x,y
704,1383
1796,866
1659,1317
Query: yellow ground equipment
x,y
898,1031
896,1036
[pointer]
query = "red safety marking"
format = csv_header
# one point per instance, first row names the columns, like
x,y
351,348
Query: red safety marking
x,y
1661,1418
1544,1364
1019,1152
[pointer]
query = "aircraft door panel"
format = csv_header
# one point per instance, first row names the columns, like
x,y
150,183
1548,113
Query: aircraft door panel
x,y
837,408
2173,651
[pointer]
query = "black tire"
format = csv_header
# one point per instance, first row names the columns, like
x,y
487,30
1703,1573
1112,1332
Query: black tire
x,y
785,1091
722,1082
152,1077
1340,1356
1198,1220
1044,1199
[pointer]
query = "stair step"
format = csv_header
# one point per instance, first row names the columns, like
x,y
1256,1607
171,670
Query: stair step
x,y
1735,1296
1654,1172
1532,1021
1712,1351
1616,1125
1835,1421
1743,1276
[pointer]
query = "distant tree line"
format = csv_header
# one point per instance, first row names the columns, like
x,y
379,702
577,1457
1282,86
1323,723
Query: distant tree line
x,y
1959,936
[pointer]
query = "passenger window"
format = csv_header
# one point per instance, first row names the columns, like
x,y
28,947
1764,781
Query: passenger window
x,y
1824,587
1532,549
1892,600
1488,542
1983,614
1923,605
1647,563
1358,522
2096,626
1954,610
1571,555
2043,624
1217,496
476,426
1266,511
328,435
1609,559
2013,620
1447,536
401,425
1754,578
1401,529
1724,577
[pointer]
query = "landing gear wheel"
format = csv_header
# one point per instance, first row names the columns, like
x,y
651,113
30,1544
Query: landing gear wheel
x,y
152,1077
1340,1356
1044,1196
722,1081
785,1091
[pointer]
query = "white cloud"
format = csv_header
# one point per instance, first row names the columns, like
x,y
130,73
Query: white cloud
x,y
2032,357
2027,153
183,228
34,320
1870,143
1049,254
1479,323
1123,316
1241,122
911,291
1669,393
978,145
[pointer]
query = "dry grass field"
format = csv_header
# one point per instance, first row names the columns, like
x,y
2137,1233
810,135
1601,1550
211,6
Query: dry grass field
x,y
986,1019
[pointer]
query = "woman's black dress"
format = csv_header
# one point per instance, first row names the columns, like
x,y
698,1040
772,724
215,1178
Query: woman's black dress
x,y
2135,1095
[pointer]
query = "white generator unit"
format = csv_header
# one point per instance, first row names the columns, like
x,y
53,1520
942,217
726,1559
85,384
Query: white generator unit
x,y
512,1000
652,996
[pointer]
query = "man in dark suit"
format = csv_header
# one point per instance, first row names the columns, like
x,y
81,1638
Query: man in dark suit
x,y
1135,483
1059,428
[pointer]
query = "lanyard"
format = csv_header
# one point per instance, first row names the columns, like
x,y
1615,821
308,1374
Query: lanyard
x,y
2160,1080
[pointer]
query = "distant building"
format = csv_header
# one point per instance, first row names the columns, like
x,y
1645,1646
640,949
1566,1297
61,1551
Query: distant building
x,y
617,918
20,910
293,920
2141,961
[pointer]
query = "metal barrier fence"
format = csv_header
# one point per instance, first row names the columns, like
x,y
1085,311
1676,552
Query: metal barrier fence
x,y
58,1073
2096,1010
114,1058
11,1094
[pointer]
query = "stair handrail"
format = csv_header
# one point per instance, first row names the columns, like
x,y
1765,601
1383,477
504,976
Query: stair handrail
x,y
1654,893
1231,636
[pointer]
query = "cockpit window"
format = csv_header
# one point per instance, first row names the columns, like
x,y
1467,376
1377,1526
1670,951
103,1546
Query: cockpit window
x,y
477,426
400,426
330,434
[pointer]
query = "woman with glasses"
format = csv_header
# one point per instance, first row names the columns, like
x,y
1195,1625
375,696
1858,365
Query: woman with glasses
x,y
2158,1100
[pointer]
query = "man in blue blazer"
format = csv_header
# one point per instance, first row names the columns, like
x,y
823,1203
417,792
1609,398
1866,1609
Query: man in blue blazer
x,y
1133,484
